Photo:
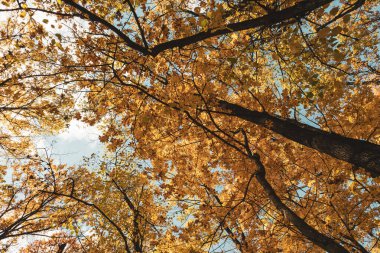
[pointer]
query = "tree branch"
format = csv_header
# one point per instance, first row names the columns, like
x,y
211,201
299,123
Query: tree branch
x,y
309,232
360,153
104,22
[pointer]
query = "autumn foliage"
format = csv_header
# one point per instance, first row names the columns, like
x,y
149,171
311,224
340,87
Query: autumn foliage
x,y
242,126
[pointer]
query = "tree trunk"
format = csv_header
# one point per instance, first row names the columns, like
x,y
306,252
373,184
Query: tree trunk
x,y
360,153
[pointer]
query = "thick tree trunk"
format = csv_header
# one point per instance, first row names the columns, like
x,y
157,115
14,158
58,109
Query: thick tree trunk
x,y
309,232
360,153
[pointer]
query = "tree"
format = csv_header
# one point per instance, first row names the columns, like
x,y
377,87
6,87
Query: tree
x,y
107,206
118,200
25,209
30,95
261,114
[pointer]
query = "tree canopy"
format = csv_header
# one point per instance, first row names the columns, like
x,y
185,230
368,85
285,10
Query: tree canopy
x,y
231,125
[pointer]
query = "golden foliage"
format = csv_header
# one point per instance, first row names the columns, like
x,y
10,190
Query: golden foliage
x,y
258,122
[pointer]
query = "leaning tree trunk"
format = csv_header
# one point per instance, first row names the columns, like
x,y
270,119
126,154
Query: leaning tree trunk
x,y
360,153
323,241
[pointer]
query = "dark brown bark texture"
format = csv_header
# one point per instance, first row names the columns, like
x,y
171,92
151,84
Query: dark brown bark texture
x,y
362,154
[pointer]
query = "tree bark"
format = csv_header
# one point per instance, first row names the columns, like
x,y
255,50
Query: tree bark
x,y
360,153
309,232
61,248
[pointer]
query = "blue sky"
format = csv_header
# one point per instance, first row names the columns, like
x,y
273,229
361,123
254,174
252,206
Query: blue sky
x,y
76,141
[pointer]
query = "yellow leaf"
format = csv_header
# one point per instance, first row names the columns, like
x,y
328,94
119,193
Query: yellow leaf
x,y
23,14
351,186
234,36
59,45
204,23
310,183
